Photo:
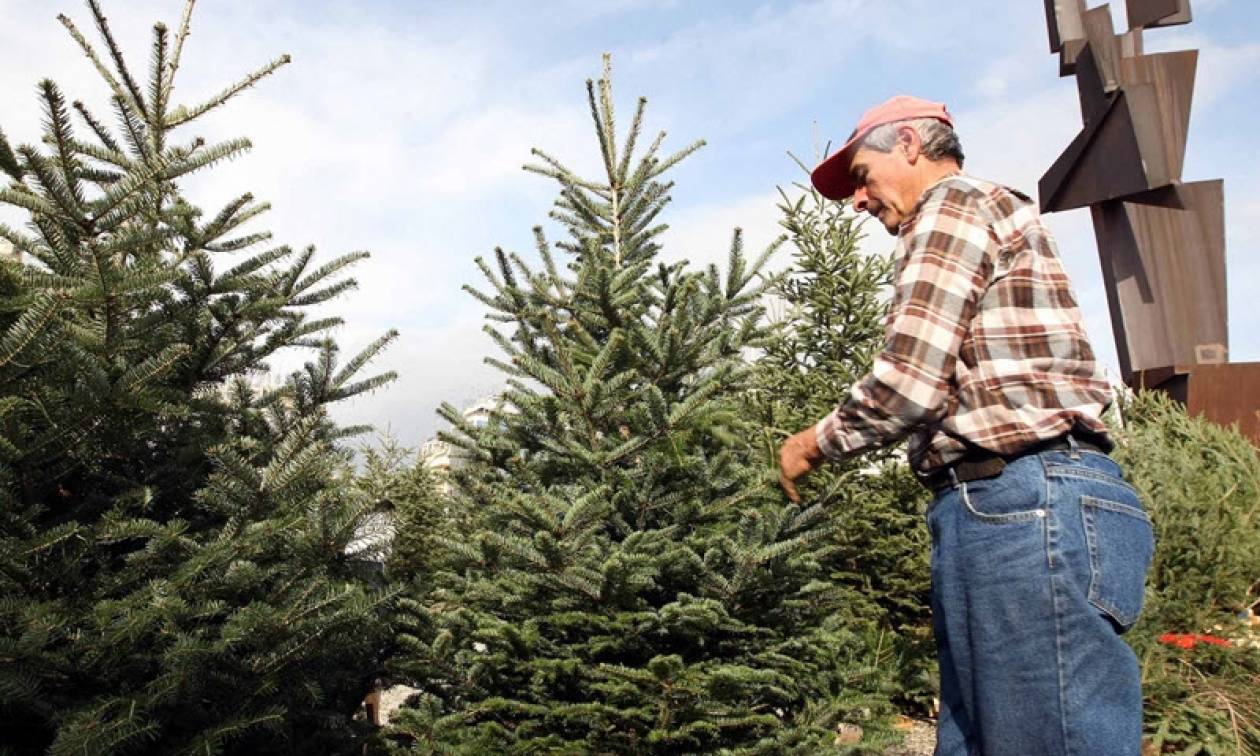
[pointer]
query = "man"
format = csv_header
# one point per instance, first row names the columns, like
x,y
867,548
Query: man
x,y
1039,548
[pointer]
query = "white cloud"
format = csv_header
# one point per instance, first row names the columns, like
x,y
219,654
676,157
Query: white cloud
x,y
435,365
703,234
734,67
486,149
402,129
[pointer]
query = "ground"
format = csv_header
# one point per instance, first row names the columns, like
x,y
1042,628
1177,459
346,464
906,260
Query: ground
x,y
920,738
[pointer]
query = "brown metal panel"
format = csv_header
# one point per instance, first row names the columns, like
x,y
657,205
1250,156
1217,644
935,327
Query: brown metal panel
x,y
1067,56
1101,35
1161,243
1223,394
1063,20
1164,269
1148,14
1146,115
1172,76
1089,86
1051,183
1171,380
1176,19
1227,394
1131,43
1104,162
1125,147
1136,321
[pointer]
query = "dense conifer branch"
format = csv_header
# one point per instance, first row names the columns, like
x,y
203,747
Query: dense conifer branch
x,y
134,130
119,93
121,334
181,164
8,161
243,242
28,201
54,186
120,65
29,326
104,155
182,115
631,139
336,265
366,355
58,128
157,84
181,36
97,128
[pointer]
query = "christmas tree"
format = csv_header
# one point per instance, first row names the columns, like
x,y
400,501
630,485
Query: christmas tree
x,y
832,301
630,579
173,533
408,503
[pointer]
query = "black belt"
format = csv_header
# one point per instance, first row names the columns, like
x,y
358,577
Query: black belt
x,y
979,464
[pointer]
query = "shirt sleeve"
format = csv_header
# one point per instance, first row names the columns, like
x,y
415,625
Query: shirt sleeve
x,y
948,261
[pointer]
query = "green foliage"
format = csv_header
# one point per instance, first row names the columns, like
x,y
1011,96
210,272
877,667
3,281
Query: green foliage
x,y
627,578
833,300
409,495
1201,484
1201,700
172,539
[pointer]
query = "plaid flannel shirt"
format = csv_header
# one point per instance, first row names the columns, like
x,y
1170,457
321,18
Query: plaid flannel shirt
x,y
984,344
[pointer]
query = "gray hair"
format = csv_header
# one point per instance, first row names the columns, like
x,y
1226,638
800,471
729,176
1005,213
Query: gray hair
x,y
938,138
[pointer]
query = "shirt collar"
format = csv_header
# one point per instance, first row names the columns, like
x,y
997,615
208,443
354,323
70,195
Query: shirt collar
x,y
914,214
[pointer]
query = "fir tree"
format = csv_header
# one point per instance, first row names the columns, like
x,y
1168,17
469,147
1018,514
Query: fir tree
x,y
407,496
1201,486
172,539
632,581
832,301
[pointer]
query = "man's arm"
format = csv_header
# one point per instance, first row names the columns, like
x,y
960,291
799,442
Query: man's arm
x,y
948,264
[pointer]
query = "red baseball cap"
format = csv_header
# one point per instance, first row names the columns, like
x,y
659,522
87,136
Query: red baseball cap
x,y
831,177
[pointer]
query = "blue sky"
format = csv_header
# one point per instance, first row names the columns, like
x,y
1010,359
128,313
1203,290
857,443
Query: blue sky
x,y
401,127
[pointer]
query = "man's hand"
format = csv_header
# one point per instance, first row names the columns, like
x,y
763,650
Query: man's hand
x,y
797,457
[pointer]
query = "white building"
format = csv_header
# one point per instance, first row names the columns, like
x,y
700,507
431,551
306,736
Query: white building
x,y
373,537
441,457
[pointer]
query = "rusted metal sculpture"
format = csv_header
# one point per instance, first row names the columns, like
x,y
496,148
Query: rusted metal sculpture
x,y
1161,242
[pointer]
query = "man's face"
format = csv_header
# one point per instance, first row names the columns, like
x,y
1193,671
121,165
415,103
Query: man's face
x,y
882,182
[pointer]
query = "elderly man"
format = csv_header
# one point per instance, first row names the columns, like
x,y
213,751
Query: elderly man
x,y
1039,547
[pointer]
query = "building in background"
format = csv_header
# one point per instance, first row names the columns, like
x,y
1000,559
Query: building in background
x,y
374,535
441,457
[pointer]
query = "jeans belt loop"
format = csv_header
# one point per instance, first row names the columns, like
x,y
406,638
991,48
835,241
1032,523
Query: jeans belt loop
x,y
953,478
1074,449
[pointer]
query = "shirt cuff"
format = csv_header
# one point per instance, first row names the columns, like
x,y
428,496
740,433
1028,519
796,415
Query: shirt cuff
x,y
834,446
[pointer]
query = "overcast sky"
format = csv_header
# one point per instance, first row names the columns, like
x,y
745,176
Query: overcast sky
x,y
401,128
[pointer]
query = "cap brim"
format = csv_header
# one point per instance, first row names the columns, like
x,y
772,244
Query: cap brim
x,y
831,177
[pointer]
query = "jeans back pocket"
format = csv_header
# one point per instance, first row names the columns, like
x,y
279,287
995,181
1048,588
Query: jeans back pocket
x,y
1121,544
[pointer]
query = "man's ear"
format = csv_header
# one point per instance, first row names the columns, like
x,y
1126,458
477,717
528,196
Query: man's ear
x,y
909,142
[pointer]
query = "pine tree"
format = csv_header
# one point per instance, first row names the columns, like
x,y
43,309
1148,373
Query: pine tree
x,y
172,537
632,580
1201,486
407,496
832,300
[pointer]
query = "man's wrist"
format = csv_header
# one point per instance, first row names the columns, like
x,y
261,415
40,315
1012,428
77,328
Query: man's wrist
x,y
807,442
827,448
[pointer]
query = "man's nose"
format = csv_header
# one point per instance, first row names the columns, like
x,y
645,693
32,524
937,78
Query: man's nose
x,y
859,199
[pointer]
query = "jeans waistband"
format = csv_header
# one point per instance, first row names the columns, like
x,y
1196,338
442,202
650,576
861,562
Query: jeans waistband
x,y
979,464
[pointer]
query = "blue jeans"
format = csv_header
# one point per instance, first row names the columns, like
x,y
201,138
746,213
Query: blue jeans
x,y
1035,574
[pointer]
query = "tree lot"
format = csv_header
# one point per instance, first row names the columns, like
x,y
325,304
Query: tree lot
x,y
613,571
